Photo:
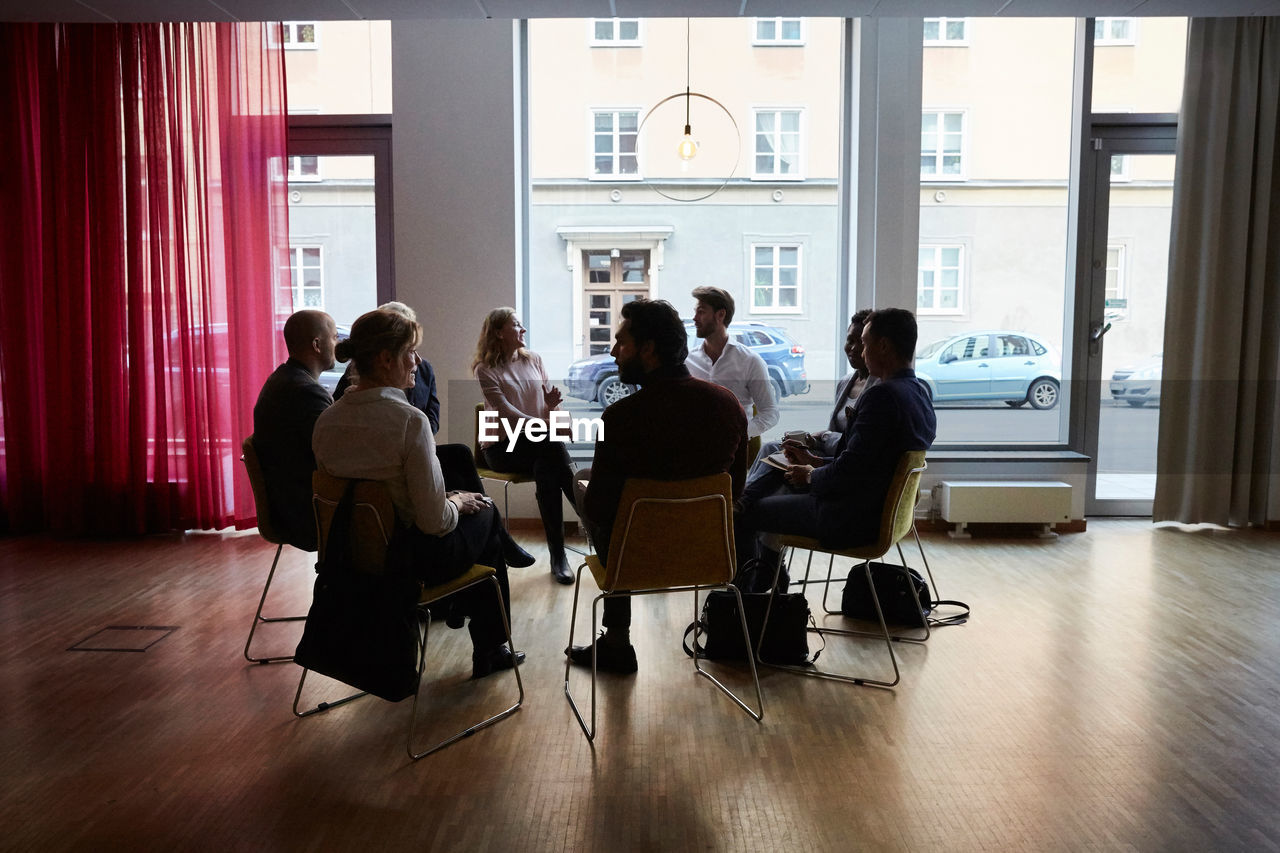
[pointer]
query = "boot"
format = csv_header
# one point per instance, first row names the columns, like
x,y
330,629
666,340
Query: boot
x,y
552,513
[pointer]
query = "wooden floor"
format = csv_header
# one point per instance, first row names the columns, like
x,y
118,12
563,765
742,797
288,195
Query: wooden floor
x,y
1115,689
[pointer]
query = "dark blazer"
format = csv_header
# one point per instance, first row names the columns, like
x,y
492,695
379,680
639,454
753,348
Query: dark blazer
x,y
890,418
674,427
421,396
283,420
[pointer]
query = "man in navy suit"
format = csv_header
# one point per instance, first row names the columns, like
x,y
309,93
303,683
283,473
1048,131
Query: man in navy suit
x,y
284,417
838,499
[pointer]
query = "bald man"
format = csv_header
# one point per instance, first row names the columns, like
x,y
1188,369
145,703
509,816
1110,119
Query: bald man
x,y
284,417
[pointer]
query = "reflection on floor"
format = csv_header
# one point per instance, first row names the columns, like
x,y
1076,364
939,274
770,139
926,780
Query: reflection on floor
x,y
1115,689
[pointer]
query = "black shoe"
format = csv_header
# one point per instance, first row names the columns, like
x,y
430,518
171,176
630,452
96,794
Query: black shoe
x,y
494,660
513,555
610,657
454,616
560,568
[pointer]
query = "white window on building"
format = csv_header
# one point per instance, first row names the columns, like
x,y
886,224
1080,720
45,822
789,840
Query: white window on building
x,y
306,271
777,144
305,168
1113,31
946,32
941,145
1117,304
614,32
783,31
940,280
300,35
775,278
613,144
1119,168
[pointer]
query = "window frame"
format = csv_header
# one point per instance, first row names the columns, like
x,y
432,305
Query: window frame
x,y
1121,290
293,176
1111,41
298,288
801,123
292,27
778,40
774,309
943,41
939,152
935,310
592,112
616,41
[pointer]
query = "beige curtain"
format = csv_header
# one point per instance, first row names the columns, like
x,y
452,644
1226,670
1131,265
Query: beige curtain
x,y
1219,454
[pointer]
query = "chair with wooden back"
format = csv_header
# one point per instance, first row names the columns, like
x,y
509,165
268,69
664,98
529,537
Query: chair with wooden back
x,y
373,522
669,536
897,519
266,528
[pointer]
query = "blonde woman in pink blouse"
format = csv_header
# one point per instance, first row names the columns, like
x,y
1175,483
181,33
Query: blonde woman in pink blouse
x,y
516,386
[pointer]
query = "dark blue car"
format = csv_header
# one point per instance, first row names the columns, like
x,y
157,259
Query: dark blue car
x,y
596,378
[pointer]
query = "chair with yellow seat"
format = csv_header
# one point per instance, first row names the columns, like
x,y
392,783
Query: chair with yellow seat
x,y
507,479
668,536
897,519
372,523
266,529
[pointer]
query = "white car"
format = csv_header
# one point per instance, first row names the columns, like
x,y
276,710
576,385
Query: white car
x,y
1139,384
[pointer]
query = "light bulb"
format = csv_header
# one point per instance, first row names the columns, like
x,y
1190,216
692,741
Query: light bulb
x,y
688,149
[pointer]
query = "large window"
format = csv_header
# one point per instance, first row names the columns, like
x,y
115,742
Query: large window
x,y
777,144
941,145
939,286
306,271
305,168
613,143
775,278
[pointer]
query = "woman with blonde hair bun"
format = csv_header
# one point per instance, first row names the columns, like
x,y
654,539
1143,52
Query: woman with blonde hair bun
x,y
515,385
372,433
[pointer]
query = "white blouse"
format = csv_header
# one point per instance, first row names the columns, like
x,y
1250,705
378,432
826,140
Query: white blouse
x,y
376,435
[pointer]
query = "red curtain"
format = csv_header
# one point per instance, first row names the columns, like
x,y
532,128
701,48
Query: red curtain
x,y
144,219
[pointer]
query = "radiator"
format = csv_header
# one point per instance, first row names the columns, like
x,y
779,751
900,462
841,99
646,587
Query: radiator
x,y
963,503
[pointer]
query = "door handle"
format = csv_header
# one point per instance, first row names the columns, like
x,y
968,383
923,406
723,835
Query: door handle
x,y
1096,333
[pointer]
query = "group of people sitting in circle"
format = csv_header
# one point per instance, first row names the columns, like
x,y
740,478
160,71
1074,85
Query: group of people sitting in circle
x,y
691,415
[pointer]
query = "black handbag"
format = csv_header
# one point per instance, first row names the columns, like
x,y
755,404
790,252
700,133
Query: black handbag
x,y
785,640
892,591
362,629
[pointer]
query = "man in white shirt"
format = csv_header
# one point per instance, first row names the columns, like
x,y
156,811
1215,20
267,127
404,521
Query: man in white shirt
x,y
728,363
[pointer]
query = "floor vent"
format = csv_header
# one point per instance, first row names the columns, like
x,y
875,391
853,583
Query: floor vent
x,y
124,638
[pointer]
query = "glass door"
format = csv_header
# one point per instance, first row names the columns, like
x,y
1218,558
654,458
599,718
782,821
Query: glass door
x,y
1128,284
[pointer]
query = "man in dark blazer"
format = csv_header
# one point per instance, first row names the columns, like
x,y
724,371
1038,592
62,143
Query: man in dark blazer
x,y
284,417
674,427
848,390
838,500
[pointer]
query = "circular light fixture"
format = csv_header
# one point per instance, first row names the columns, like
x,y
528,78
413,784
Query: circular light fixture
x,y
704,165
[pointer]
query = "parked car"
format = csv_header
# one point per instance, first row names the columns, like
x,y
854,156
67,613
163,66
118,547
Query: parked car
x,y
329,378
1003,365
595,378
1140,384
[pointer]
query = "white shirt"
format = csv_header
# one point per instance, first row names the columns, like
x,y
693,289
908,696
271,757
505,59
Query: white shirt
x,y
376,435
742,372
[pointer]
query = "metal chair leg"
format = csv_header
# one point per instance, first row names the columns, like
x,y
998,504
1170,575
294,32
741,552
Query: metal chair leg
x,y
258,618
590,732
425,628
321,706
834,676
757,714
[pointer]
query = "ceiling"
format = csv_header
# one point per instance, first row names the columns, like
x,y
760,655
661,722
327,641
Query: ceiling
x,y
99,11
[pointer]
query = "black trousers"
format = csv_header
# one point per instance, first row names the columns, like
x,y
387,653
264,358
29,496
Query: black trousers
x,y
548,462
437,559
